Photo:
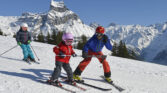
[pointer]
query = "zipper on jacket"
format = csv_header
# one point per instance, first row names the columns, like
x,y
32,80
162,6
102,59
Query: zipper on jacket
x,y
24,37
98,46
68,50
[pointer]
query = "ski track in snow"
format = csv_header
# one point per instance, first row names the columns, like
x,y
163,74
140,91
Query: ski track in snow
x,y
17,76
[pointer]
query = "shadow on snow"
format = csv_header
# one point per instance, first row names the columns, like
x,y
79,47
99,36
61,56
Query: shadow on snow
x,y
40,74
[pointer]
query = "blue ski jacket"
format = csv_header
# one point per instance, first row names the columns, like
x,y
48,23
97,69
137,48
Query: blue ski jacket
x,y
96,45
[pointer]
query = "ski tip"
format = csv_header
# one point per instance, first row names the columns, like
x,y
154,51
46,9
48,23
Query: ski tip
x,y
121,89
37,62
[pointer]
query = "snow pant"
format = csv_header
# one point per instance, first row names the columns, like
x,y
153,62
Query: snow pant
x,y
27,52
57,71
86,61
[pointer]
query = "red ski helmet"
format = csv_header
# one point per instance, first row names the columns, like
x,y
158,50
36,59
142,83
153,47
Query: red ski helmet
x,y
100,29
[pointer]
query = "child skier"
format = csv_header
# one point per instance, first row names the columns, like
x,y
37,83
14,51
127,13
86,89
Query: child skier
x,y
23,38
63,52
94,48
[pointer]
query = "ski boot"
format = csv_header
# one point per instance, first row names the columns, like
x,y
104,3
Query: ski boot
x,y
26,60
54,82
31,59
71,82
108,79
77,78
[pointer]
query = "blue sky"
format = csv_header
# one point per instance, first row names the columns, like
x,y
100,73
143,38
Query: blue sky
x,y
104,12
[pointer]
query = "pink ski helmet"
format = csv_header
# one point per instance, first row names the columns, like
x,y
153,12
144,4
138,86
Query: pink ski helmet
x,y
68,38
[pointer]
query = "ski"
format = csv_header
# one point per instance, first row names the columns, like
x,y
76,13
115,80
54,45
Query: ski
x,y
96,87
120,89
30,62
83,89
35,62
89,85
61,87
77,86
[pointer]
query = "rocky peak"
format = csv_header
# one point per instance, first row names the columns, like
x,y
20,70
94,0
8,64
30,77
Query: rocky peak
x,y
58,6
94,25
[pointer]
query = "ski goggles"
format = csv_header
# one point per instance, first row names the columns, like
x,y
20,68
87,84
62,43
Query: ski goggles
x,y
99,34
69,42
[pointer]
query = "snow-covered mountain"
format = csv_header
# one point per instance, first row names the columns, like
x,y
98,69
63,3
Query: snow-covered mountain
x,y
17,76
148,41
58,18
6,25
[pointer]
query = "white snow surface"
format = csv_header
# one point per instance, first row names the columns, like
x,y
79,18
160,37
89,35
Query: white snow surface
x,y
17,76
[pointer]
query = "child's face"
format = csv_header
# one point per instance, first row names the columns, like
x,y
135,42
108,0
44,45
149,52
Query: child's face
x,y
24,28
68,42
99,35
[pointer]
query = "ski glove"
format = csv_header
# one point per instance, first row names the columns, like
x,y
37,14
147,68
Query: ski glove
x,y
29,41
19,43
62,55
74,55
84,54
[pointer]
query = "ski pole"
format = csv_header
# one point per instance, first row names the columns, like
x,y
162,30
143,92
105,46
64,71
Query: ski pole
x,y
34,52
98,56
8,50
103,57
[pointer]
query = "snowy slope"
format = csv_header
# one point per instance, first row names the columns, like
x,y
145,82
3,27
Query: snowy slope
x,y
17,76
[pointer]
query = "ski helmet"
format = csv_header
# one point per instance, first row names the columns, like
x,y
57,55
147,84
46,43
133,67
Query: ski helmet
x,y
68,38
24,25
100,29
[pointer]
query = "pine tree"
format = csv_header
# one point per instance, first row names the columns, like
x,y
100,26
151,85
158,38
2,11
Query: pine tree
x,y
1,33
115,49
133,55
14,36
59,37
81,43
120,49
41,38
125,51
49,39
84,39
53,37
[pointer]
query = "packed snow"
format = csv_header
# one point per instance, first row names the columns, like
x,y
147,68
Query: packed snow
x,y
17,76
